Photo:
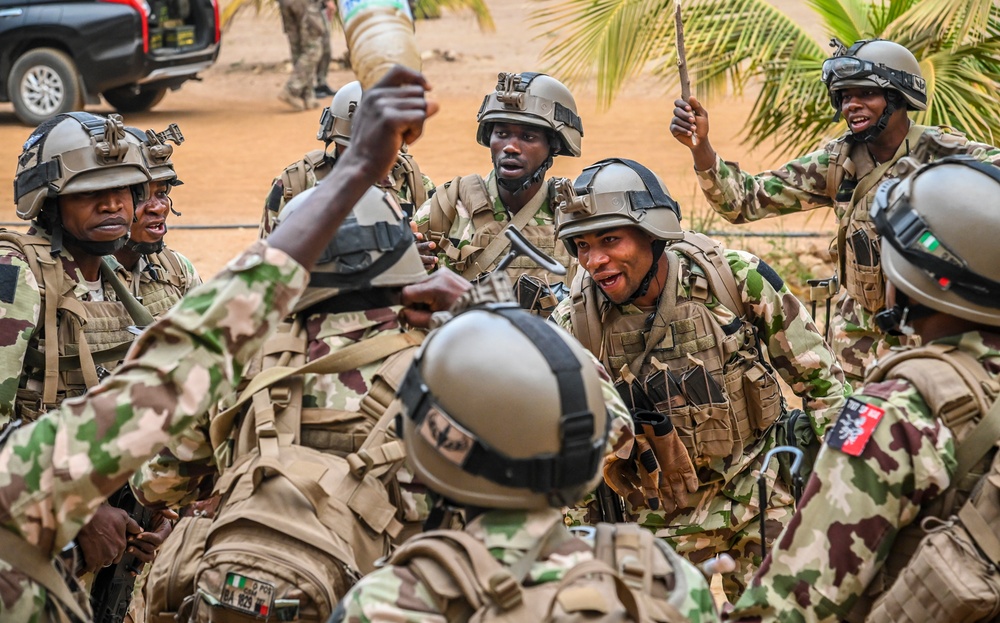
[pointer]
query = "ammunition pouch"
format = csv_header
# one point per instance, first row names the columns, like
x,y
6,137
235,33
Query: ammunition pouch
x,y
537,296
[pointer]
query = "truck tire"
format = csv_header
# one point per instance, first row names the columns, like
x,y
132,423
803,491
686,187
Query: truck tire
x,y
125,100
43,83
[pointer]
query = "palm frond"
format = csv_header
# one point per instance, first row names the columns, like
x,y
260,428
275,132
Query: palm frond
x,y
426,9
847,20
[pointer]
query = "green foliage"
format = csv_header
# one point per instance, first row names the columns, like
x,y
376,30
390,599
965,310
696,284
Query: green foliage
x,y
733,44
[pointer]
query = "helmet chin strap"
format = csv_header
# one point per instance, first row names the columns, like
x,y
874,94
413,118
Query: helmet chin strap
x,y
895,320
144,248
658,247
524,182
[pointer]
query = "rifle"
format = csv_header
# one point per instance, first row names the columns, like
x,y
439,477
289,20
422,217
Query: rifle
x,y
610,504
112,591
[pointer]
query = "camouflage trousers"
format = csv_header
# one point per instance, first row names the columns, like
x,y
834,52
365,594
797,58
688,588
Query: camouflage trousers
x,y
308,31
725,521
856,339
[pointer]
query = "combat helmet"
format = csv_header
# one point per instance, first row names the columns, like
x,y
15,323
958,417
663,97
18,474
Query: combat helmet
x,y
156,151
942,262
532,436
373,252
73,153
532,99
879,63
336,119
615,193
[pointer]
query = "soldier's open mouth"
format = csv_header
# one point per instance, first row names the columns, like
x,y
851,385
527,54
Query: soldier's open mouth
x,y
859,123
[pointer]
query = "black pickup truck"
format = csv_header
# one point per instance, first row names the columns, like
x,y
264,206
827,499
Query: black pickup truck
x,y
57,55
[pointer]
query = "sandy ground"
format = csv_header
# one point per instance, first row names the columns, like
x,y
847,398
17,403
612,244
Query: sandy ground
x,y
239,136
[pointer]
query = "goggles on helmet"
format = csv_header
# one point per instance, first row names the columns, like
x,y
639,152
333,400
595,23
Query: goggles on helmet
x,y
852,68
908,233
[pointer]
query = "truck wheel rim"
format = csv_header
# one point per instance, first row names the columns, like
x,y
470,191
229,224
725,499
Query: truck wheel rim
x,y
42,90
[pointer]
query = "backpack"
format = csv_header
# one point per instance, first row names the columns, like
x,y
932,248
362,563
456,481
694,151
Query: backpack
x,y
632,577
297,526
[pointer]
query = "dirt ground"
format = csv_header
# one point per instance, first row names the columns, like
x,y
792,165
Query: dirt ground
x,y
239,136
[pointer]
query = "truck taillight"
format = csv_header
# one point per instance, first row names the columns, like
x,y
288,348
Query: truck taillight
x,y
142,8
218,24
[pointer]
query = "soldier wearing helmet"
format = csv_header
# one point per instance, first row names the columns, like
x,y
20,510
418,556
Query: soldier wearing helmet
x,y
872,84
695,336
907,478
511,481
405,179
66,314
526,121
157,275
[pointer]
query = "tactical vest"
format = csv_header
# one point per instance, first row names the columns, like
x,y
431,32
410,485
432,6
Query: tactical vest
x,y
633,577
407,182
162,283
958,391
711,380
303,175
471,190
858,244
92,336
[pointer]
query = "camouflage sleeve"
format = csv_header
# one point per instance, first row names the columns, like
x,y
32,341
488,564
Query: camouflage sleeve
x,y
422,215
860,502
740,197
984,152
273,203
389,594
697,603
19,308
795,346
181,473
55,472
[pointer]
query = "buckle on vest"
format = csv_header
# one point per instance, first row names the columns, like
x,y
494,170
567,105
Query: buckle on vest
x,y
505,590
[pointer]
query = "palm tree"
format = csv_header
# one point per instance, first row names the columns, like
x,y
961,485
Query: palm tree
x,y
741,43
422,9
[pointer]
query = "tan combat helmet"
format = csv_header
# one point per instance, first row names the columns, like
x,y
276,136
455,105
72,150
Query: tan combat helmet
x,y
875,62
374,249
73,153
530,435
940,246
336,119
616,193
156,151
533,99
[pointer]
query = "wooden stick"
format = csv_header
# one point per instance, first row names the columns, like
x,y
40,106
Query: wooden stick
x,y
682,68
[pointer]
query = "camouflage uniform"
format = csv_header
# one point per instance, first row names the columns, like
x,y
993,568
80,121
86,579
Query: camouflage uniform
x,y
723,515
397,594
154,280
21,328
456,252
802,185
861,502
306,27
57,471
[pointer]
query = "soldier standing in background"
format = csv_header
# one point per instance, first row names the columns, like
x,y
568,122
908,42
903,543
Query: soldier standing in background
x,y
692,334
906,457
157,275
182,365
308,29
872,84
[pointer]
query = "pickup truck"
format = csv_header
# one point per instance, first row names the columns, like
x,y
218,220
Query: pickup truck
x,y
57,55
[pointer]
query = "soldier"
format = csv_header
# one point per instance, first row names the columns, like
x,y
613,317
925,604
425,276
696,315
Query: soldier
x,y
157,275
910,446
182,365
510,481
687,329
78,181
405,179
528,120
872,84
307,28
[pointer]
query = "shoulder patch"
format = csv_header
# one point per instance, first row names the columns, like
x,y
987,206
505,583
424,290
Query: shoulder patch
x,y
854,427
8,282
769,275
